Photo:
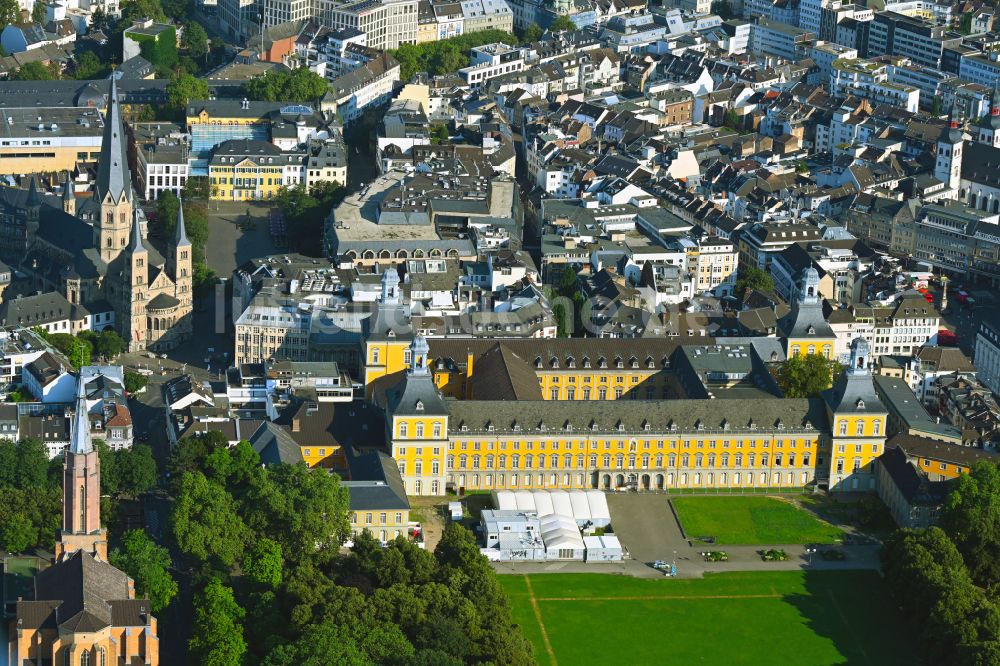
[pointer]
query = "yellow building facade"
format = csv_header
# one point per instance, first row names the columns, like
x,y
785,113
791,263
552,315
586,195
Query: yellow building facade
x,y
637,443
251,171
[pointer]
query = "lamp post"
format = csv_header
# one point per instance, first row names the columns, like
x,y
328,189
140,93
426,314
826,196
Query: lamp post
x,y
809,554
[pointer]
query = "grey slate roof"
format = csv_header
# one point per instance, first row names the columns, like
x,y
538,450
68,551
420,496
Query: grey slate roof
x,y
275,445
113,176
715,416
85,586
375,483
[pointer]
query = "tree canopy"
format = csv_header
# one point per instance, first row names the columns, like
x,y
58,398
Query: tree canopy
x,y
299,85
149,565
807,376
562,23
217,637
10,12
37,71
954,619
184,88
971,516
753,278
444,56
305,212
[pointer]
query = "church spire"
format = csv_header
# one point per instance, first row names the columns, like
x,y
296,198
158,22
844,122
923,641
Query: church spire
x,y
113,176
33,199
80,441
180,234
135,243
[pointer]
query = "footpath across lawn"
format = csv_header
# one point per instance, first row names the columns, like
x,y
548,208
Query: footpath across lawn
x,y
752,521
783,617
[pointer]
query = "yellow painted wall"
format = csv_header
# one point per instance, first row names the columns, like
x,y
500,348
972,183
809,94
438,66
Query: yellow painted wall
x,y
801,347
40,159
601,452
222,180
383,525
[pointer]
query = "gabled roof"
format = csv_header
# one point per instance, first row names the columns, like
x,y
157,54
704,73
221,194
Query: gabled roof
x,y
86,587
500,374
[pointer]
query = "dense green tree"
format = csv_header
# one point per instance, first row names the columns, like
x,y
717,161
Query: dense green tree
x,y
29,517
936,106
191,452
196,188
98,19
38,13
263,564
806,376
217,636
36,71
439,134
109,468
965,24
971,516
205,522
303,509
567,284
10,12
732,120
753,278
319,645
306,210
931,583
32,463
149,565
135,382
17,533
299,85
532,34
182,90
444,56
564,322
178,9
136,470
166,213
195,39
562,23
109,344
8,463
133,10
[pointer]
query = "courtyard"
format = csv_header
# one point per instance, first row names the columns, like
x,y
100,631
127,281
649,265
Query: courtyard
x,y
822,617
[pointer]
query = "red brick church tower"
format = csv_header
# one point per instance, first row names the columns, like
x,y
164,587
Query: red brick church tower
x,y
81,527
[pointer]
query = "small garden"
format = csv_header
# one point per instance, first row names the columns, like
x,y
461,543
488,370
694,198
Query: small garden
x,y
773,555
716,556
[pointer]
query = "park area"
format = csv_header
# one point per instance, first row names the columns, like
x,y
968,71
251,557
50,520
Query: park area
x,y
752,521
782,617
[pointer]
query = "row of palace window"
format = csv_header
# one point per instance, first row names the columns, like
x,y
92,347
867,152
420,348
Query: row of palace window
x,y
383,518
436,430
539,462
632,446
859,427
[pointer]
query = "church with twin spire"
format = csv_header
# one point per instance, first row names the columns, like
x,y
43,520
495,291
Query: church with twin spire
x,y
96,252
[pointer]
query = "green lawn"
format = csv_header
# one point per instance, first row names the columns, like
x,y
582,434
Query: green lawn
x,y
783,617
751,521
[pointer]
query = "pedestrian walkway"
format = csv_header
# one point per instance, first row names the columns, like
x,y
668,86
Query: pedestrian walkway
x,y
690,563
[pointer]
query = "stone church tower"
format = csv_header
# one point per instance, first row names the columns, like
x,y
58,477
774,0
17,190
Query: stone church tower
x,y
114,184
81,525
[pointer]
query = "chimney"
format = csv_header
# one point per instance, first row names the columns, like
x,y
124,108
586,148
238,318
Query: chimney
x,y
296,423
